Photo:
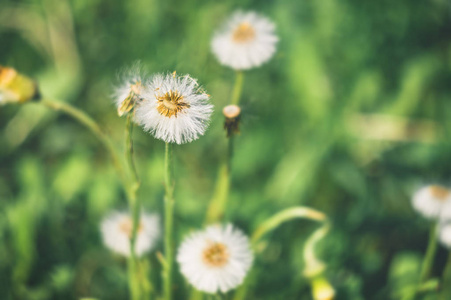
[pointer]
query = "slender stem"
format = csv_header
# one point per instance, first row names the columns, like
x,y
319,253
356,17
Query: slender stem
x,y
222,188
135,207
130,150
89,123
133,282
446,279
237,89
430,254
169,212
131,188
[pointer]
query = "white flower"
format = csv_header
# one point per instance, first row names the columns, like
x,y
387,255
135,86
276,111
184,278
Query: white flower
x,y
430,200
117,229
174,109
216,259
128,93
445,235
245,41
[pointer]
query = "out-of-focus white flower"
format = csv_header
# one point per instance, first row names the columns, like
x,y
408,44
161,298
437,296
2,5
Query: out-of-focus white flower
x,y
430,200
445,235
174,109
117,230
216,259
245,41
129,91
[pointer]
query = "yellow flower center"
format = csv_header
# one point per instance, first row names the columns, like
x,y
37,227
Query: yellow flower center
x,y
215,255
439,192
126,226
171,103
243,33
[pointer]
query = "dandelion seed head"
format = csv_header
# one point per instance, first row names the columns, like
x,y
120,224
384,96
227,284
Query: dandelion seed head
x,y
117,229
215,259
445,235
128,92
429,201
245,41
174,108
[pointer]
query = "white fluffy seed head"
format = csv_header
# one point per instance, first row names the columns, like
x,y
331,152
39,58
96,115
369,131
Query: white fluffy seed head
x,y
174,108
129,89
445,235
116,231
245,41
215,259
430,200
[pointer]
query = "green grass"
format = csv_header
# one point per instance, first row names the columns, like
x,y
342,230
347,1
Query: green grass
x,y
303,140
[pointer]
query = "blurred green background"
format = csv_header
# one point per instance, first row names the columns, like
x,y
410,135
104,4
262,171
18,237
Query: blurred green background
x,y
350,117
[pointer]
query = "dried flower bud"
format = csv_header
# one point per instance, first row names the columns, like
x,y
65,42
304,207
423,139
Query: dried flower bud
x,y
232,115
16,88
322,289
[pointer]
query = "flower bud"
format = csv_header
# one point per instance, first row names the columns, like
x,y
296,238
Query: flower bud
x,y
232,115
15,87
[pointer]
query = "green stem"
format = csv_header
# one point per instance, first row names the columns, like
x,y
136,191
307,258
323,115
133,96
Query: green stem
x,y
297,212
238,88
222,188
131,188
169,212
430,254
135,207
219,200
313,265
446,280
133,282
90,124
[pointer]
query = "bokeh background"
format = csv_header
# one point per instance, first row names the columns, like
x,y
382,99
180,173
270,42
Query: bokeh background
x,y
350,117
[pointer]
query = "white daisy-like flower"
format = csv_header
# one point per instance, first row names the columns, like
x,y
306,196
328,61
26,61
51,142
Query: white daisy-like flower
x,y
174,109
430,200
129,91
245,41
216,259
116,231
445,235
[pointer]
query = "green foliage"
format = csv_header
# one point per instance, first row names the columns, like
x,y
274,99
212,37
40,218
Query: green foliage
x,y
349,117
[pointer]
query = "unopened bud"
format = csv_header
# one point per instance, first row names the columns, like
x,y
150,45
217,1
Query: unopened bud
x,y
322,289
15,87
232,115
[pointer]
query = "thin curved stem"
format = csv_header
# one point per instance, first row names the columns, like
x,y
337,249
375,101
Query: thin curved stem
x,y
130,187
90,124
299,212
169,214
313,265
